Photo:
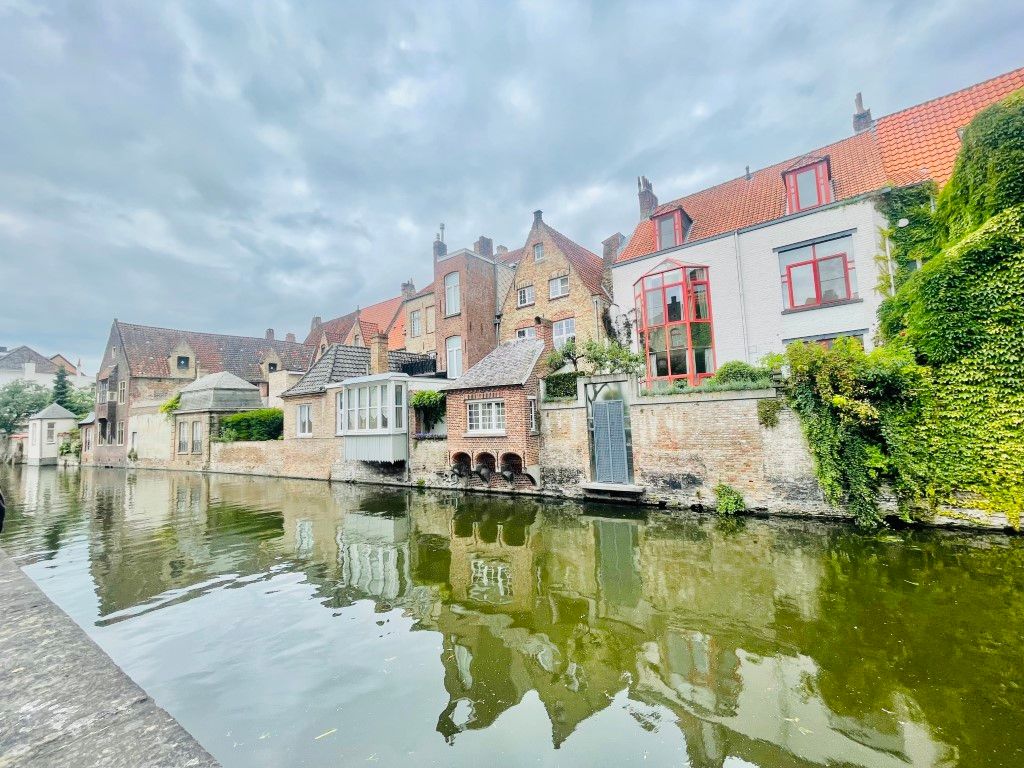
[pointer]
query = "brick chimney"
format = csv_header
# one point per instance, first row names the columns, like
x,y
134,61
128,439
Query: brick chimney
x,y
408,289
316,323
290,337
484,246
440,249
648,200
502,250
538,217
379,353
544,333
270,334
611,247
861,117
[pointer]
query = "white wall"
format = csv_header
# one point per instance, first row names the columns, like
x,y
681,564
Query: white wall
x,y
40,451
29,373
749,329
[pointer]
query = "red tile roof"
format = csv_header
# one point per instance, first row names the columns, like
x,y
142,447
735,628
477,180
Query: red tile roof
x,y
385,315
148,349
337,330
895,152
511,257
586,264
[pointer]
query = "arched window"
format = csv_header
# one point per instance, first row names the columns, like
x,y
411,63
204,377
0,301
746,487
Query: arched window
x,y
673,310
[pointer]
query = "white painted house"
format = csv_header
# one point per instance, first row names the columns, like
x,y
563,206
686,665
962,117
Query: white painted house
x,y
46,431
25,364
790,252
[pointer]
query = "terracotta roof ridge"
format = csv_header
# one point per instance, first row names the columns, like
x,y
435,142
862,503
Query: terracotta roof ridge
x,y
952,94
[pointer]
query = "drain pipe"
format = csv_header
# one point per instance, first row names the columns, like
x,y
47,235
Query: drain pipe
x,y
743,301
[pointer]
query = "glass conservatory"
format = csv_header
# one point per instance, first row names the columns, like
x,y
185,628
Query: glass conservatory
x,y
673,311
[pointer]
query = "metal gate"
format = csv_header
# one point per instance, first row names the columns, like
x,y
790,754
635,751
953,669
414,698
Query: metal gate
x,y
610,442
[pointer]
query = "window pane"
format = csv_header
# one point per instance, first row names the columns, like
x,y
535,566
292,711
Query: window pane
x,y
832,247
384,406
807,188
674,303
795,256
657,352
667,232
699,273
802,285
673,276
832,274
374,406
363,400
700,303
499,415
655,308
703,360
654,281
677,351
700,333
399,406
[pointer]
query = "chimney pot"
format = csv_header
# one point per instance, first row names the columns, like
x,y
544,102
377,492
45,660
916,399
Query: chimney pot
x,y
502,249
648,200
290,337
270,334
861,117
316,323
747,174
408,289
537,216
440,249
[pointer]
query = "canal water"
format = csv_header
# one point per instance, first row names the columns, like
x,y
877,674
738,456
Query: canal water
x,y
300,623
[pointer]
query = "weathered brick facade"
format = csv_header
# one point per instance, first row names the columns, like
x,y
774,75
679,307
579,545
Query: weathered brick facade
x,y
474,322
518,438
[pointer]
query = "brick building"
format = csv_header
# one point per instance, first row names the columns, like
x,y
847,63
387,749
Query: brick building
x,y
794,251
357,328
492,410
559,280
144,366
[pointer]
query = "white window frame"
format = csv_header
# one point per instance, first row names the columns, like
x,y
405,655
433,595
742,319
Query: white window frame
x,y
452,299
526,296
489,417
380,403
415,325
532,402
529,332
182,436
304,420
51,432
538,252
559,336
450,350
555,287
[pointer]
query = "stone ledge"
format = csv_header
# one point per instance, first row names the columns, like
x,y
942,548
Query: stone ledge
x,y
705,397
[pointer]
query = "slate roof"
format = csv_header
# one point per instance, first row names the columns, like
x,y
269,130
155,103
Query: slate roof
x,y
507,364
148,349
89,419
917,143
15,359
342,362
54,411
221,391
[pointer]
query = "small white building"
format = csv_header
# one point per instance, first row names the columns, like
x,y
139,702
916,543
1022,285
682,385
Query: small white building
x,y
46,431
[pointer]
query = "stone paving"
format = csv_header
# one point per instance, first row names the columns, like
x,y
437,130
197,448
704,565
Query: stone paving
x,y
63,701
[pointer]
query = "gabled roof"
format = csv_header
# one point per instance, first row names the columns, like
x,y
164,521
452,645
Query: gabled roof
x,y
507,364
15,359
54,411
909,146
342,362
511,257
588,265
385,315
148,349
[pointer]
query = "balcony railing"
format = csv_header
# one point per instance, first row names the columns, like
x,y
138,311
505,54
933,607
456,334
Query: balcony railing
x,y
425,367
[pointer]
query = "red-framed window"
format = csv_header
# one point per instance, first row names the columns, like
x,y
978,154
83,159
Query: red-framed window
x,y
818,274
674,318
671,228
808,186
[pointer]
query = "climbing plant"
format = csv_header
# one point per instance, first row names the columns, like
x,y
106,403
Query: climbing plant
x,y
431,407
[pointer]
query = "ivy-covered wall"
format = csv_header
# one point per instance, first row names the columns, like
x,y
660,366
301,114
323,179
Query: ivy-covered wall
x,y
936,412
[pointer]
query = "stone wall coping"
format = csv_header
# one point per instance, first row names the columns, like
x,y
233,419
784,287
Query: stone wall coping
x,y
705,397
560,405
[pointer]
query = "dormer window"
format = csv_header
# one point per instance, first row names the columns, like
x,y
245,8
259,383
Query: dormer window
x,y
808,187
673,227
183,362
538,252
271,367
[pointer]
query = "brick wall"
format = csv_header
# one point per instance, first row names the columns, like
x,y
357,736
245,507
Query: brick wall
x,y
313,458
578,304
517,439
475,321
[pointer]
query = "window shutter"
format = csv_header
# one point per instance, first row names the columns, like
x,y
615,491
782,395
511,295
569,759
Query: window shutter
x,y
824,188
792,201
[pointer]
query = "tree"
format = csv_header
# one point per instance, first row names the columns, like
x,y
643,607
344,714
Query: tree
x,y
81,400
19,400
61,387
612,357
567,353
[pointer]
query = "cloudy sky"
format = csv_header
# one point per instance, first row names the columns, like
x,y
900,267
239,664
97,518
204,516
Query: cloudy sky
x,y
233,166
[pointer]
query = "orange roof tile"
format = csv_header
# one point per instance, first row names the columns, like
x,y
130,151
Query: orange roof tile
x,y
588,265
906,147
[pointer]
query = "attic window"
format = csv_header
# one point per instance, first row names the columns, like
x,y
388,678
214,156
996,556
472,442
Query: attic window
x,y
182,362
808,187
271,367
538,252
673,227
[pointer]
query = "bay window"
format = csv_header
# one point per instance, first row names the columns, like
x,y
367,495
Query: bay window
x,y
562,331
485,416
673,308
808,187
377,406
818,274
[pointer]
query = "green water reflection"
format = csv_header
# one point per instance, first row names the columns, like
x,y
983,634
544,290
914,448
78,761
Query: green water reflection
x,y
289,622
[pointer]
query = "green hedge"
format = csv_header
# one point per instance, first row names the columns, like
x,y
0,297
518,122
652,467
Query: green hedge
x,y
259,425
561,385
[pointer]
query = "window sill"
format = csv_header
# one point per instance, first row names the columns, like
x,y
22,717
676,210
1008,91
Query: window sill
x,y
556,298
823,305
454,314
304,435
486,433
524,306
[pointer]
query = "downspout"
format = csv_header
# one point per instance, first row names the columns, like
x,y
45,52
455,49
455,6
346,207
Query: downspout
x,y
743,301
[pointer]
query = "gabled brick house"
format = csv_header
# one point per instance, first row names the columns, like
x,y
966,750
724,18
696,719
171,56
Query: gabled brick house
x,y
790,252
493,413
357,328
144,366
559,280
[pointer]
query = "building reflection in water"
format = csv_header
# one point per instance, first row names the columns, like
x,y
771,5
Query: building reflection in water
x,y
712,627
